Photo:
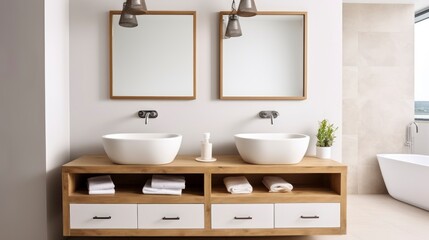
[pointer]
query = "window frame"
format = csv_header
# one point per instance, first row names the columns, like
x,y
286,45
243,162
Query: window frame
x,y
418,17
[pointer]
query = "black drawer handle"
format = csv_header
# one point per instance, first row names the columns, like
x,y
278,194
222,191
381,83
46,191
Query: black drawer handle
x,y
310,217
109,217
171,218
243,218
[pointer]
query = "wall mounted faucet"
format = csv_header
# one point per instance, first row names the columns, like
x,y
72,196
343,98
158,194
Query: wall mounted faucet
x,y
269,114
409,141
146,114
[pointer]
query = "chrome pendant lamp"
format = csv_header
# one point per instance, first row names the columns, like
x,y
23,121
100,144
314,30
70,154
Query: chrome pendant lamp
x,y
233,29
247,8
136,7
127,20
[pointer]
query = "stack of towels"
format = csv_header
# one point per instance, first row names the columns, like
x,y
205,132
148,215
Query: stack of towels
x,y
165,184
101,185
239,184
276,184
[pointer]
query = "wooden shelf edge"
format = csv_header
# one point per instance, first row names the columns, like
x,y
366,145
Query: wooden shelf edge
x,y
220,200
187,164
261,195
206,232
82,200
134,197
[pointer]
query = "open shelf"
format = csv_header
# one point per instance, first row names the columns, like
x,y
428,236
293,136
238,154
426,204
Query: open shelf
x,y
307,187
128,189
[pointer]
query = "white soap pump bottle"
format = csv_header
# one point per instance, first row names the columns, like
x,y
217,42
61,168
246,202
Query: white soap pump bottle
x,y
206,148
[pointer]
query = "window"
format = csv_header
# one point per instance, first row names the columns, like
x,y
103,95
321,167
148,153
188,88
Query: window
x,y
421,65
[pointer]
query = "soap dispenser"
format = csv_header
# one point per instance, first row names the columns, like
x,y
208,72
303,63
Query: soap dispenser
x,y
206,150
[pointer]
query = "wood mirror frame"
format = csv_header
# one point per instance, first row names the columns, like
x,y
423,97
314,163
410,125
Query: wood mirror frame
x,y
185,89
300,38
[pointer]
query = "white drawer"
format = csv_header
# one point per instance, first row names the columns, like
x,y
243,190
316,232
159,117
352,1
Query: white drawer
x,y
103,216
307,215
171,216
226,216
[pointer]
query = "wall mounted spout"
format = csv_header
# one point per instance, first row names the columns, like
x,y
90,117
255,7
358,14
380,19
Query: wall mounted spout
x,y
146,114
269,114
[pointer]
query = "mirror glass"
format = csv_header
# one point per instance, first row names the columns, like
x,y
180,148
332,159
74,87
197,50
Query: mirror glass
x,y
268,61
154,60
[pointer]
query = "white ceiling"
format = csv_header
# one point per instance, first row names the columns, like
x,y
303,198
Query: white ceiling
x,y
419,4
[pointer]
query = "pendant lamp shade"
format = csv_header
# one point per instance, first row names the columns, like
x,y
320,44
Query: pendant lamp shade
x,y
233,29
247,8
127,19
136,7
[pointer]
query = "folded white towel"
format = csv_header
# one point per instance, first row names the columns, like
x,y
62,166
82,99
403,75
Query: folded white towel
x,y
168,181
148,189
276,184
237,184
102,191
100,182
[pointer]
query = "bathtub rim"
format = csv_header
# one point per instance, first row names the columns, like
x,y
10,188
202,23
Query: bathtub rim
x,y
405,158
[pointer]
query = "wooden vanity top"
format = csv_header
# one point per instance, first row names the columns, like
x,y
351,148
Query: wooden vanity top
x,y
187,164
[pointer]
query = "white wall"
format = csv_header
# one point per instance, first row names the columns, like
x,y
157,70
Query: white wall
x,y
56,107
93,114
22,121
34,120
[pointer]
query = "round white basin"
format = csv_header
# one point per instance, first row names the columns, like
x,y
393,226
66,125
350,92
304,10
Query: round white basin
x,y
142,148
272,148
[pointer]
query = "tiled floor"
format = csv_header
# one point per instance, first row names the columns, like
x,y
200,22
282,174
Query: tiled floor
x,y
370,217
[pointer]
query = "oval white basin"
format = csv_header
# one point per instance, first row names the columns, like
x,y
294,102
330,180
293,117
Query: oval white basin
x,y
142,148
272,148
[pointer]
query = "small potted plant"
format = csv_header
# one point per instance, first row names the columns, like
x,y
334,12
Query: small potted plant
x,y
325,139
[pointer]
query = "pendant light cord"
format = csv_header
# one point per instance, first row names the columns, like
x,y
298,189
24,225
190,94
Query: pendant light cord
x,y
233,7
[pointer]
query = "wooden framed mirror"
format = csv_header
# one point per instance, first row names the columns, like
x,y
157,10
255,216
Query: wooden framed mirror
x,y
156,59
268,62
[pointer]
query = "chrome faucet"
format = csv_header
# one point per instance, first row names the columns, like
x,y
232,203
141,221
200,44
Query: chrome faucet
x,y
417,127
269,114
409,141
146,114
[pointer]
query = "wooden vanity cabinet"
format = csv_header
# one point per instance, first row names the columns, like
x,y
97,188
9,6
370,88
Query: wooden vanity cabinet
x,y
317,204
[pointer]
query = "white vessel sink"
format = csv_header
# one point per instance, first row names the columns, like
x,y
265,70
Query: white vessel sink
x,y
272,148
142,148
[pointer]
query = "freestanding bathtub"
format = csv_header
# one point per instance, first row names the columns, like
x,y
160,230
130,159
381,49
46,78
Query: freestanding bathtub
x,y
406,177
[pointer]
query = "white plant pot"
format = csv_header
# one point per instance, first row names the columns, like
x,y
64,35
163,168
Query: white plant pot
x,y
323,152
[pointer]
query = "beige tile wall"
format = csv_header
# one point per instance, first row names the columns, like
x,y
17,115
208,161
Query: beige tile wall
x,y
378,85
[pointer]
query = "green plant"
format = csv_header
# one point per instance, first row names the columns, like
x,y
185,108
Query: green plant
x,y
325,134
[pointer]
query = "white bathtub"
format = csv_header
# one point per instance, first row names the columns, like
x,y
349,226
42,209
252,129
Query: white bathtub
x,y
406,177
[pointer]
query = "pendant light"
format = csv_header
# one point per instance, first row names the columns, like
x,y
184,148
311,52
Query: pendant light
x,y
127,19
233,29
247,8
136,7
